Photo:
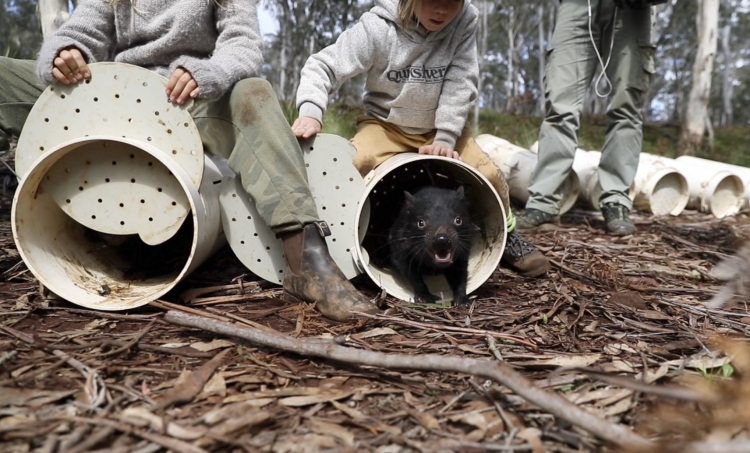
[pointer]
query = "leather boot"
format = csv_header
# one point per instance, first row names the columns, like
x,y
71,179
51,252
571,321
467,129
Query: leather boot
x,y
523,257
312,275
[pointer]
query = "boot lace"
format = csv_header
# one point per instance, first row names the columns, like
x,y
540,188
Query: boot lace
x,y
614,211
516,246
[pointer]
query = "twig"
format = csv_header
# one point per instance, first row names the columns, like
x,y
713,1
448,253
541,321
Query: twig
x,y
95,389
166,442
493,347
455,329
138,337
498,371
508,422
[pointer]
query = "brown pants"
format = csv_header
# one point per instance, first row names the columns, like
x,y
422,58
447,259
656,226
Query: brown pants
x,y
377,140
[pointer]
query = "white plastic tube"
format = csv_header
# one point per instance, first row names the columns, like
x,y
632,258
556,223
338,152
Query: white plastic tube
x,y
62,255
742,172
717,192
586,166
517,164
112,175
393,176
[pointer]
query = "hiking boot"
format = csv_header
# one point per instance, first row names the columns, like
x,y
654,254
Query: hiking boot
x,y
523,257
312,275
532,218
617,219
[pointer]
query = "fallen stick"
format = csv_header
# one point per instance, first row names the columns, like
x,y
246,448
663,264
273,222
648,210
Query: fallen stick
x,y
497,371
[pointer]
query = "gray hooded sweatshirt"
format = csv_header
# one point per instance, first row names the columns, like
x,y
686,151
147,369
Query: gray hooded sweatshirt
x,y
218,45
416,79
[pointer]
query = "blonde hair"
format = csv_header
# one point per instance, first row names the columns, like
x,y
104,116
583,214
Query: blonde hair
x,y
406,9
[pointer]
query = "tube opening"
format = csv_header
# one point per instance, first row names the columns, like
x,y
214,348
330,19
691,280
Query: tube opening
x,y
384,196
75,246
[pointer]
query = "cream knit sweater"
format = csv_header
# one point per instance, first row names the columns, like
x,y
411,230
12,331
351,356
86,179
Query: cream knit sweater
x,y
218,45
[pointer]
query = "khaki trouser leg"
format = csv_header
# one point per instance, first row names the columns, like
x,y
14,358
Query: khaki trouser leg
x,y
571,65
248,127
376,141
630,70
19,89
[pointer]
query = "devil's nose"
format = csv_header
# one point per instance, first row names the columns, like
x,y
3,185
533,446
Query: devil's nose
x,y
443,240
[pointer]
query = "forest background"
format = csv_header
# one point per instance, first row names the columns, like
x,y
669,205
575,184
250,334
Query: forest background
x,y
695,104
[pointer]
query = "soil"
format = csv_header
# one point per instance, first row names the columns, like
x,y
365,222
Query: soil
x,y
78,380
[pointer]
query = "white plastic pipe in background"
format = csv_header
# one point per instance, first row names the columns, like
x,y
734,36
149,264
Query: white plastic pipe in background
x,y
586,166
517,164
717,192
742,172
659,188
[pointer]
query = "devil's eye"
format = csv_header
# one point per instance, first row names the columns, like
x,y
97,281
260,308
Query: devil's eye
x,y
457,221
421,224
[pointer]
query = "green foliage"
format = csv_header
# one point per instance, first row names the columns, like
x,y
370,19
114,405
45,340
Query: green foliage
x,y
341,119
730,143
724,371
20,33
521,130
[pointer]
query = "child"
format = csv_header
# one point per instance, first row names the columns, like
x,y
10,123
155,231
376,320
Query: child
x,y
211,51
421,62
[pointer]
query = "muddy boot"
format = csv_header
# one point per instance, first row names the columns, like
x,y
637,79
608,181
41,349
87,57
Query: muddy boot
x,y
617,219
523,257
312,275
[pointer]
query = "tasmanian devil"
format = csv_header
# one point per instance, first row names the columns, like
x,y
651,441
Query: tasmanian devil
x,y
432,235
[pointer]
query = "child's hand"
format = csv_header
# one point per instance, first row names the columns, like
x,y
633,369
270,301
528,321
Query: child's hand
x,y
305,127
70,67
181,86
439,149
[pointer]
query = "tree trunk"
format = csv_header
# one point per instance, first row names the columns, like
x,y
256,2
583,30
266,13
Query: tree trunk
x,y
52,14
696,115
726,77
511,68
482,51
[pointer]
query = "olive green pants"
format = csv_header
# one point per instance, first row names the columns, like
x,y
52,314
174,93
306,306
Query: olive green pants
x,y
572,63
246,126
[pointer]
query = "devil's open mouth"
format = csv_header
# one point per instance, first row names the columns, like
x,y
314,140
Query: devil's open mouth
x,y
442,256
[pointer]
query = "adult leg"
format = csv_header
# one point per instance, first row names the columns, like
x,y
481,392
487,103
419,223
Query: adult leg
x,y
571,64
19,90
630,70
248,127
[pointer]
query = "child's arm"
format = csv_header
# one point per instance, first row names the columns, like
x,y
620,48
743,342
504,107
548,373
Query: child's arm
x,y
89,31
325,72
238,54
